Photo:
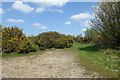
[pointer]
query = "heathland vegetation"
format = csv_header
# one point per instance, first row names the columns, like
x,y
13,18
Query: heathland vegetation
x,y
98,49
15,41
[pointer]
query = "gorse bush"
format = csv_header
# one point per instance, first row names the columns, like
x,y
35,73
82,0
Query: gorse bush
x,y
45,43
25,45
52,40
10,39
13,40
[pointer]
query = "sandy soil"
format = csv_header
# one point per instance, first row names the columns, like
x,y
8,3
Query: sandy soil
x,y
50,64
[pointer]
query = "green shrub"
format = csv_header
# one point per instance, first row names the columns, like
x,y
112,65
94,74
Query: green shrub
x,y
53,40
10,39
34,48
46,43
25,45
10,45
13,40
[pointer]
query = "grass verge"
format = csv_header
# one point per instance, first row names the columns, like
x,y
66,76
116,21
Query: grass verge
x,y
15,54
94,59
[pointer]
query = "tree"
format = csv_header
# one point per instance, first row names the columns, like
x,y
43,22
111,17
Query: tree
x,y
107,21
92,35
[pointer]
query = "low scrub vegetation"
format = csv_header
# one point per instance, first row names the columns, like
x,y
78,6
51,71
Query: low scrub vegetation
x,y
53,40
13,40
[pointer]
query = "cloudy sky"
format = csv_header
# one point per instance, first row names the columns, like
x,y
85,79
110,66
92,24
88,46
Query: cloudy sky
x,y
37,17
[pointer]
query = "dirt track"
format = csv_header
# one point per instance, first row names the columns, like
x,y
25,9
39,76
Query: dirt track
x,y
50,64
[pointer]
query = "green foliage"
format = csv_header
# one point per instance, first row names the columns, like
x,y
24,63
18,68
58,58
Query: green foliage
x,y
60,43
11,32
92,35
13,40
45,43
24,45
78,38
10,39
107,22
0,38
34,48
52,40
10,45
34,39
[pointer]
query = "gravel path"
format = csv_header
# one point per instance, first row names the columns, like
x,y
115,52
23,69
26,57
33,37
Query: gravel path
x,y
50,64
0,67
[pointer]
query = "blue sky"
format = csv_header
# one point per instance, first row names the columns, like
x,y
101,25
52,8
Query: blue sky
x,y
37,17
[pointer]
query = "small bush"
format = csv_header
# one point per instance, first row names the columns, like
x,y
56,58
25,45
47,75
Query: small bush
x,y
34,48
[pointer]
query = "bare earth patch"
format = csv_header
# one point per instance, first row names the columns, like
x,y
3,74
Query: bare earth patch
x,y
51,64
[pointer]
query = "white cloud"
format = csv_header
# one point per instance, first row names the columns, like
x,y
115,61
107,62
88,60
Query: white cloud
x,y
15,20
85,23
1,11
40,26
42,5
19,5
83,30
59,10
67,23
81,16
40,10
50,3
55,10
45,5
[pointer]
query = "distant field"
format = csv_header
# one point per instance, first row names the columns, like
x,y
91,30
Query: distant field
x,y
105,62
